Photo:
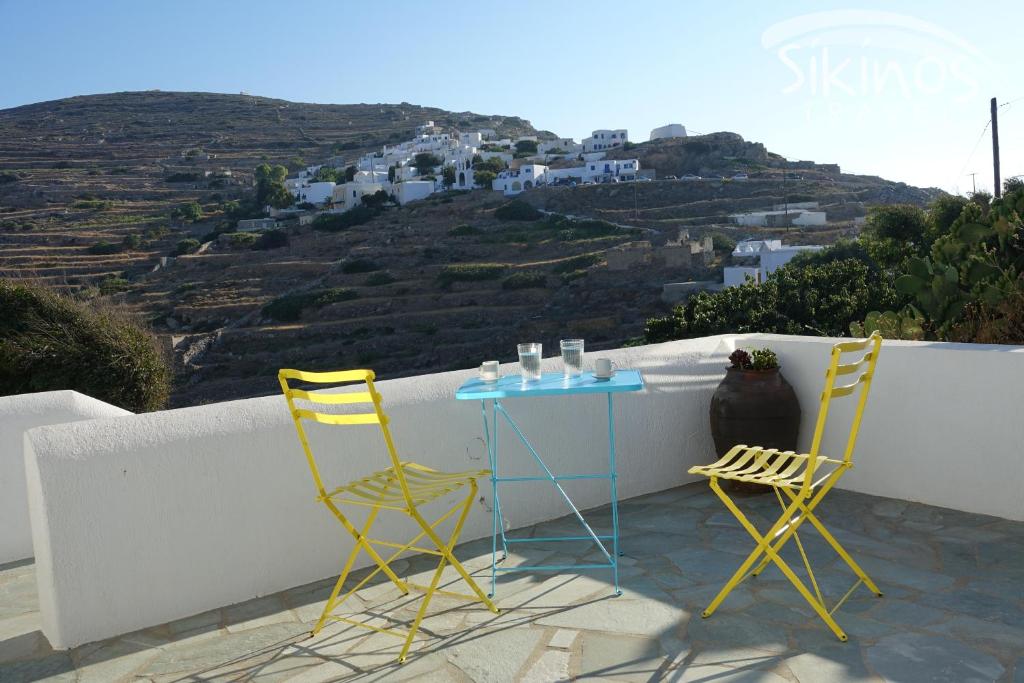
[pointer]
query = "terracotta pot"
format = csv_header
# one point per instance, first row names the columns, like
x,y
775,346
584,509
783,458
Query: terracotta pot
x,y
756,408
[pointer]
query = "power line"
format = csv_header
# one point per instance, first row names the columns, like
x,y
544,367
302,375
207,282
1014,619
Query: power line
x,y
975,149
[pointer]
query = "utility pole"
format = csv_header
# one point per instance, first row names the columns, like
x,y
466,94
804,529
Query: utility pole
x,y
974,185
997,188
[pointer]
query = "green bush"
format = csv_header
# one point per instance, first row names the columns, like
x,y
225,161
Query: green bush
x,y
381,277
524,280
289,308
8,178
112,284
271,239
464,230
49,342
104,248
517,210
818,300
237,240
93,204
578,262
360,265
186,246
336,222
469,272
183,178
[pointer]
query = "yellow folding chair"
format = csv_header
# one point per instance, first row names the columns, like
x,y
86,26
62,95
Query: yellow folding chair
x,y
403,487
794,475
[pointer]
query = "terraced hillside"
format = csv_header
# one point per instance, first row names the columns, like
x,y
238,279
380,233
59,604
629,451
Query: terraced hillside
x,y
435,285
92,192
102,168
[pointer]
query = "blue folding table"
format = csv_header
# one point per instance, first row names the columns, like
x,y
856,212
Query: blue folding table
x,y
551,384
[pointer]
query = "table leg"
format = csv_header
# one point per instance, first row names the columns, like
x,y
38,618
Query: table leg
x,y
613,476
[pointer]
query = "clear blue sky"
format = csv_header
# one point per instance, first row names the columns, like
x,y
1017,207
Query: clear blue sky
x,y
909,104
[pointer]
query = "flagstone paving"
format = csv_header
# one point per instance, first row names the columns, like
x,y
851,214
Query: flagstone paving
x,y
953,611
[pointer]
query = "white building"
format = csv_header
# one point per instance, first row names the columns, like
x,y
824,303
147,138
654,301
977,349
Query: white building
x,y
513,181
770,255
412,190
606,170
314,193
769,219
672,130
559,145
602,140
350,195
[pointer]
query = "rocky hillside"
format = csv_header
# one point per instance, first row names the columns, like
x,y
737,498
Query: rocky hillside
x,y
89,188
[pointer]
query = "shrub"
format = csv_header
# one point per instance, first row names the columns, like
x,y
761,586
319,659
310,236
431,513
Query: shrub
x,y
112,284
464,230
578,262
336,222
183,178
131,242
186,246
524,280
49,342
360,265
517,210
239,240
104,248
379,278
271,239
469,272
8,178
94,204
289,308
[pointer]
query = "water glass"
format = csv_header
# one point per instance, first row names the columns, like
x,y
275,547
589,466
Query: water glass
x,y
489,371
572,357
529,361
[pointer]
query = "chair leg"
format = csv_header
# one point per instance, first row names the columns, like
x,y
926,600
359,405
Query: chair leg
x,y
841,551
361,541
329,607
446,558
765,545
449,555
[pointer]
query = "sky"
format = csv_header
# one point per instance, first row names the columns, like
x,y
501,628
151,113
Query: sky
x,y
896,89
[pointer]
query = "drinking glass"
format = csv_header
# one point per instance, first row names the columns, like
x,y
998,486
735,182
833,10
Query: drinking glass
x,y
529,361
572,357
489,371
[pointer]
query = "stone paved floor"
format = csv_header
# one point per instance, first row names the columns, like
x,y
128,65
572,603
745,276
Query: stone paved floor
x,y
953,611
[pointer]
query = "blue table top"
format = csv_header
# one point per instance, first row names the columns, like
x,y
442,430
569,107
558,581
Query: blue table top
x,y
550,384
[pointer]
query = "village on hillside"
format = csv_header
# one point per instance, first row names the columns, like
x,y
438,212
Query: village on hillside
x,y
436,160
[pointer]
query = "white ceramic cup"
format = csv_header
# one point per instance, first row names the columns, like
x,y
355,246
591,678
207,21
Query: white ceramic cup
x,y
604,367
489,371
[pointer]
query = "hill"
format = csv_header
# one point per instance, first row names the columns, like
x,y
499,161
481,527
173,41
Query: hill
x,y
89,188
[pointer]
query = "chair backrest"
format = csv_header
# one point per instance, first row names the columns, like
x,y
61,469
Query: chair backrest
x,y
852,378
370,396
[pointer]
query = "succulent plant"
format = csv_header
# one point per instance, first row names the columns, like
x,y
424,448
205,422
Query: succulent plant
x,y
763,359
757,359
740,359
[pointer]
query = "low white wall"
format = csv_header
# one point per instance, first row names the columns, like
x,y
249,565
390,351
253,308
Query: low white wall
x,y
142,519
18,414
943,424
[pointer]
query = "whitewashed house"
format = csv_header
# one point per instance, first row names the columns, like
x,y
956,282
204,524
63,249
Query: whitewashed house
x,y
770,256
602,140
411,190
559,146
513,181
314,193
608,170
